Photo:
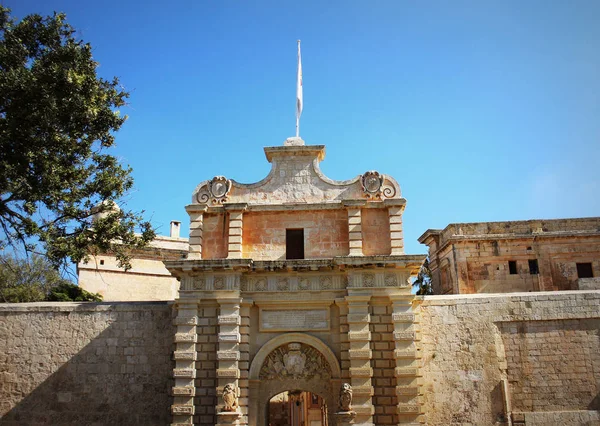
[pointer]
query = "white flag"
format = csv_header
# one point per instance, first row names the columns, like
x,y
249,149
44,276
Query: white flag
x,y
299,88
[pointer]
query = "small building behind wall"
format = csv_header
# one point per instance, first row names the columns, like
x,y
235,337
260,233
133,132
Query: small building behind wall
x,y
515,256
147,280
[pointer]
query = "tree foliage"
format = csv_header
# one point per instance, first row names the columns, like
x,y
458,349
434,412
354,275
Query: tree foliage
x,y
35,280
423,282
57,119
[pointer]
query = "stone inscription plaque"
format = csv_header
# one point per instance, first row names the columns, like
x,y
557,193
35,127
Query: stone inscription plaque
x,y
294,320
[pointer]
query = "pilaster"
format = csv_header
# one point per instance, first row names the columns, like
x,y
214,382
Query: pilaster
x,y
234,239
355,230
359,353
196,213
184,372
244,362
407,358
228,357
396,232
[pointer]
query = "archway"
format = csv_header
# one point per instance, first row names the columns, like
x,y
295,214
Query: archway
x,y
291,362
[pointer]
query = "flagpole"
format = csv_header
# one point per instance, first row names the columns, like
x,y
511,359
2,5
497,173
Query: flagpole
x,y
299,97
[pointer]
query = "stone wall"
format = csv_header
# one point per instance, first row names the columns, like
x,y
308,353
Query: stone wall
x,y
383,363
474,257
376,232
325,233
482,266
85,363
215,236
535,355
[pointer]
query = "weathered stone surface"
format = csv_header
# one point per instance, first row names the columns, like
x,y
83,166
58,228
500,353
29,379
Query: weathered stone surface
x,y
474,257
85,363
545,344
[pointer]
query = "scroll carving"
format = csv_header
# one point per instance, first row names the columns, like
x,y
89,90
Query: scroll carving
x,y
215,191
377,186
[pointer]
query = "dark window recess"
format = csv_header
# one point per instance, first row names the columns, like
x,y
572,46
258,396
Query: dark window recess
x,y
294,243
101,262
584,270
512,267
533,267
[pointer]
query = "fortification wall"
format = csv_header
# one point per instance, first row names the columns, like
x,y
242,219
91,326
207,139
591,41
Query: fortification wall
x,y
85,363
537,355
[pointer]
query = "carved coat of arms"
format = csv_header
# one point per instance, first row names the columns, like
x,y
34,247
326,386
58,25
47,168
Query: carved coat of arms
x,y
372,182
294,360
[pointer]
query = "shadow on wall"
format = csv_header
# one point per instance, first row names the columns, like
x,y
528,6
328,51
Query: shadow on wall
x,y
86,364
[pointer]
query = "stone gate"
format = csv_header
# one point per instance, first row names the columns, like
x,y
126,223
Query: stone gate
x,y
296,282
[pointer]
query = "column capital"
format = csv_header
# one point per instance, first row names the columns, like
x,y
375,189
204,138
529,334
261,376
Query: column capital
x,y
229,300
196,208
357,298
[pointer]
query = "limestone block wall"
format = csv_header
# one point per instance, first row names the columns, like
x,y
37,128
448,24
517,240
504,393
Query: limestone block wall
x,y
383,362
473,257
482,266
205,400
376,232
325,233
129,286
536,356
85,363
214,245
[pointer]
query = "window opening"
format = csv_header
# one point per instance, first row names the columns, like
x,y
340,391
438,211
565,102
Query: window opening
x,y
584,270
533,267
294,243
512,267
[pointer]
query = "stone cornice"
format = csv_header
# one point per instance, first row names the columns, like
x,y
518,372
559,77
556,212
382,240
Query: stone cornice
x,y
328,205
317,151
496,237
181,268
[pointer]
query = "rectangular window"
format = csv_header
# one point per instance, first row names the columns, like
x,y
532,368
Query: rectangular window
x,y
294,243
533,267
512,267
584,270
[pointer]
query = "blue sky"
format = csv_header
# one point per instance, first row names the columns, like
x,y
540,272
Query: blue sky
x,y
482,110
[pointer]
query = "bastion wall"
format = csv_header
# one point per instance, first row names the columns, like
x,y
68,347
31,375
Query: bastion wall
x,y
85,363
533,358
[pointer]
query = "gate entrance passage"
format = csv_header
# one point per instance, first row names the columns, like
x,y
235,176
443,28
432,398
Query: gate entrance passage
x,y
297,408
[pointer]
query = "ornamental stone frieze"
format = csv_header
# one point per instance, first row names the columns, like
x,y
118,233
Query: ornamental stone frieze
x,y
283,283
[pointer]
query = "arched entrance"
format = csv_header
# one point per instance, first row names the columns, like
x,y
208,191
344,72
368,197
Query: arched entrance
x,y
292,362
